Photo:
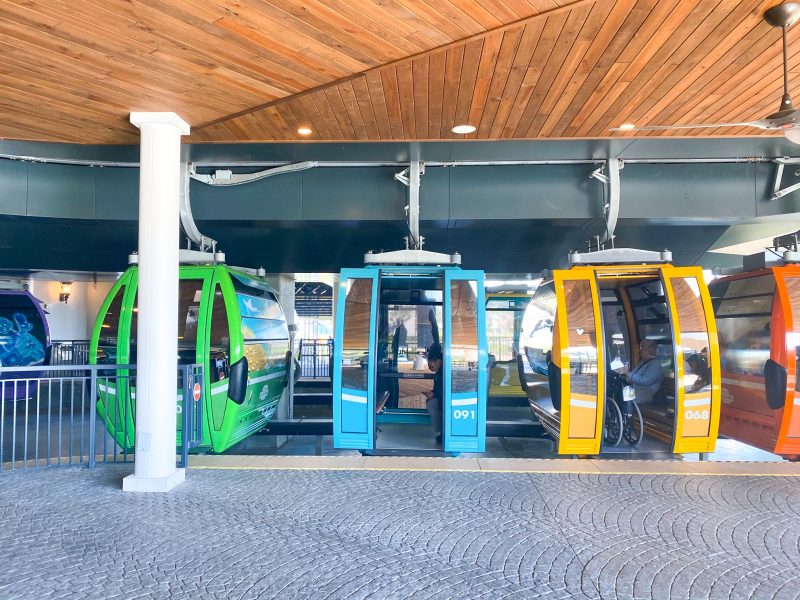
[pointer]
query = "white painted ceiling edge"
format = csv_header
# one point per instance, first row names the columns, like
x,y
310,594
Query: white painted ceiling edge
x,y
754,235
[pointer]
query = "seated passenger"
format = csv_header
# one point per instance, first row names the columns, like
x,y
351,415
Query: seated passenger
x,y
647,376
755,339
697,365
434,397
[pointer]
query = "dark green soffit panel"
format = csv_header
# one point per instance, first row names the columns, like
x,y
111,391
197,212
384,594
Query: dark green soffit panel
x,y
481,150
512,246
61,191
720,193
14,186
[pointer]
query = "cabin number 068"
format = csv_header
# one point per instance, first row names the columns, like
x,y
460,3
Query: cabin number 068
x,y
696,415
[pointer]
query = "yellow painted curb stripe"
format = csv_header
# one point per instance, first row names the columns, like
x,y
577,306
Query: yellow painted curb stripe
x,y
538,471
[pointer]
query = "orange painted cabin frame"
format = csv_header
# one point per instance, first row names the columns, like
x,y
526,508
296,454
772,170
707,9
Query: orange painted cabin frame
x,y
773,430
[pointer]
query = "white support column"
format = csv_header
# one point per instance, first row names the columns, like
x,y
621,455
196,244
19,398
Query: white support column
x,y
157,352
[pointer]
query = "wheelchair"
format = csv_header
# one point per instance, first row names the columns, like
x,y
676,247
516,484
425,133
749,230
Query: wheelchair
x,y
623,419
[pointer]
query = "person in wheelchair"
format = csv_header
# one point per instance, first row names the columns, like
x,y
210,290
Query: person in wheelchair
x,y
648,374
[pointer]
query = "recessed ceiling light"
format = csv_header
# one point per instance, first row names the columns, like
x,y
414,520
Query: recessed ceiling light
x,y
627,126
304,131
464,129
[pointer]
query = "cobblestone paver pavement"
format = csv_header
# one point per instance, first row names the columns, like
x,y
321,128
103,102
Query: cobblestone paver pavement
x,y
71,533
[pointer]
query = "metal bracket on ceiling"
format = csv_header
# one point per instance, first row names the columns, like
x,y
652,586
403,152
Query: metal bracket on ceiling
x,y
410,177
608,174
777,192
789,243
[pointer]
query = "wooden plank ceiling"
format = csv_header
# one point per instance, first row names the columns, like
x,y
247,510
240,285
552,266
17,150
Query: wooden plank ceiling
x,y
257,70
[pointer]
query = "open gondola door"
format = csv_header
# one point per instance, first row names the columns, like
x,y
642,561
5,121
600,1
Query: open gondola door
x,y
465,362
354,360
788,287
577,351
697,407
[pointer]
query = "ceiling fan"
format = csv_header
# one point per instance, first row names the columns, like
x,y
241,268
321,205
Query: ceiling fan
x,y
787,119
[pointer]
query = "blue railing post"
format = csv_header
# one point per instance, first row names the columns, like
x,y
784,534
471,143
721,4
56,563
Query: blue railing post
x,y
186,410
92,417
198,421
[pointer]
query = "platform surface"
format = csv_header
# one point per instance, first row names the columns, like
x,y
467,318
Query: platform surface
x,y
347,527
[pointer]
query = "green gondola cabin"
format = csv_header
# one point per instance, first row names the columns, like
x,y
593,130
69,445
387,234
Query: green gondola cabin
x,y
229,321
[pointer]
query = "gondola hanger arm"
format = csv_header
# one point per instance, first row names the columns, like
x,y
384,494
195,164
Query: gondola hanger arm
x,y
608,175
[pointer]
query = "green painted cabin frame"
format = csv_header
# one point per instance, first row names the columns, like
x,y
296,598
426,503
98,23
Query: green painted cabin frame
x,y
116,397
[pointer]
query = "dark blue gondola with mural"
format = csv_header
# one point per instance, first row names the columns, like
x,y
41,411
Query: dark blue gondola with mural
x,y
24,340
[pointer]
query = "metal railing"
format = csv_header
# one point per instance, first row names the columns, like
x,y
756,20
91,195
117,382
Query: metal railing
x,y
69,352
315,359
49,415
190,406
501,347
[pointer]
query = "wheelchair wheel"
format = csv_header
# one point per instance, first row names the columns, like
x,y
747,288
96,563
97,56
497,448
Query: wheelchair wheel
x,y
612,425
633,431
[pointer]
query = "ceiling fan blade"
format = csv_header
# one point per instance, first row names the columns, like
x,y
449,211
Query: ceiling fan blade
x,y
760,124
792,134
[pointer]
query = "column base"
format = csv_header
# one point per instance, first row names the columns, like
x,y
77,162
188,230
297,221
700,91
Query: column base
x,y
153,484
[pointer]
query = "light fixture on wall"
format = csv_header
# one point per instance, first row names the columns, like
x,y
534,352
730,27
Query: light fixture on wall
x,y
66,290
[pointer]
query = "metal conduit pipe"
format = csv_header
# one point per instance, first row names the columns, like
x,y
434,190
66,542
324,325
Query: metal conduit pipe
x,y
225,177
428,164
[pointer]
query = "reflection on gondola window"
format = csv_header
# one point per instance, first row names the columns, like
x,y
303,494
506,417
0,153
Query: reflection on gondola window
x,y
743,310
266,336
355,343
616,329
190,293
464,337
537,328
694,335
581,337
109,330
219,339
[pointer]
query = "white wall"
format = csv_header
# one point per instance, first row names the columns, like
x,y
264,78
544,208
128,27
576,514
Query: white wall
x,y
284,286
75,319
13,284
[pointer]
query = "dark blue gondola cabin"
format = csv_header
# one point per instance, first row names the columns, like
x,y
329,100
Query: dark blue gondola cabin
x,y
24,341
387,319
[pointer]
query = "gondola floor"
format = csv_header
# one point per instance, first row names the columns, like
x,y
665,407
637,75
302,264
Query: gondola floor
x,y
406,436
74,426
648,447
